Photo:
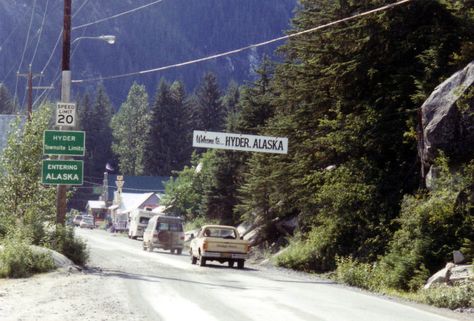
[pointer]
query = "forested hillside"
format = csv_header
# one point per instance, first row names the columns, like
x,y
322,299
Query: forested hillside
x,y
164,33
348,100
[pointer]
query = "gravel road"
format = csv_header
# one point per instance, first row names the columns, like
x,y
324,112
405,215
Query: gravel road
x,y
125,283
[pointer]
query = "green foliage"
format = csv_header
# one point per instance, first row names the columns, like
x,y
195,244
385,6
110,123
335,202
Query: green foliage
x,y
129,127
198,222
168,135
430,229
208,112
63,240
17,260
353,273
451,297
6,103
24,202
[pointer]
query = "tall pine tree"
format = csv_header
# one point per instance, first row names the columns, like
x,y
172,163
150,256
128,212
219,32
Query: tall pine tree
x,y
129,128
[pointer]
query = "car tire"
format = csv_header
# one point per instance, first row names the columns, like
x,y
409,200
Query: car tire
x,y
240,264
179,251
202,261
231,263
172,251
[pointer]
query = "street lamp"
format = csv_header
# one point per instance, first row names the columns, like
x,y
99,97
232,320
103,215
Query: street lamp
x,y
110,39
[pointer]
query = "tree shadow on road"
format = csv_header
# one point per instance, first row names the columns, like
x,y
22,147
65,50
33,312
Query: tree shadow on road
x,y
151,278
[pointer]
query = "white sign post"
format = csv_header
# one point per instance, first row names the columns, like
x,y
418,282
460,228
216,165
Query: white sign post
x,y
66,114
250,143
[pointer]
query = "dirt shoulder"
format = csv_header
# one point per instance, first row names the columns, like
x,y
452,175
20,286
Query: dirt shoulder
x,y
65,296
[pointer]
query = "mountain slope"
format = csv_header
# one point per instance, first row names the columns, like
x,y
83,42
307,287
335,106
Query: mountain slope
x,y
168,32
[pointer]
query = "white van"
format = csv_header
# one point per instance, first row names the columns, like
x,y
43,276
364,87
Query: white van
x,y
138,222
164,232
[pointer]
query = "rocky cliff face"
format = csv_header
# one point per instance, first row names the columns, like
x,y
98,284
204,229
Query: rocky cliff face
x,y
167,32
448,119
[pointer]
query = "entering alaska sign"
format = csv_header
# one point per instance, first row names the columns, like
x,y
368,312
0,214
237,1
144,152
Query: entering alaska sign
x,y
250,143
62,172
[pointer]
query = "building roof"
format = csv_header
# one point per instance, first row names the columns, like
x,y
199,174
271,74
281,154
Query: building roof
x,y
131,201
95,204
137,184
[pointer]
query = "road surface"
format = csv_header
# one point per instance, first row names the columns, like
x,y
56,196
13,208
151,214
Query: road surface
x,y
127,283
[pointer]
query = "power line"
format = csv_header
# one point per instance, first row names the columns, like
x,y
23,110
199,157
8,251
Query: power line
x,y
117,15
26,45
40,32
227,53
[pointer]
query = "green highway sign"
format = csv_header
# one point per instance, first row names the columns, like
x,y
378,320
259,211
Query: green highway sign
x,y
62,172
58,142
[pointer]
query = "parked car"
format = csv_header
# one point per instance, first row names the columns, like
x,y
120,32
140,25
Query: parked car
x,y
77,220
220,243
164,232
87,222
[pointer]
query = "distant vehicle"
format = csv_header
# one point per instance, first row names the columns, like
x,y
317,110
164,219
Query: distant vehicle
x,y
138,222
87,222
219,243
164,232
77,220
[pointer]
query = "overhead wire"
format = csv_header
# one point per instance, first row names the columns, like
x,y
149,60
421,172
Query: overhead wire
x,y
56,77
116,15
231,52
83,26
25,47
40,32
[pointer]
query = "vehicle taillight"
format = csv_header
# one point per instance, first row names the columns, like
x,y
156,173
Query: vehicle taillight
x,y
204,246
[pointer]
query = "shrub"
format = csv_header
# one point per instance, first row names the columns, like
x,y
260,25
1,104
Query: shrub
x,y
452,297
63,240
312,253
198,222
17,260
353,273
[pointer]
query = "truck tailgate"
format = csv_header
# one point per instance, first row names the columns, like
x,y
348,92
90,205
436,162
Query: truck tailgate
x,y
229,246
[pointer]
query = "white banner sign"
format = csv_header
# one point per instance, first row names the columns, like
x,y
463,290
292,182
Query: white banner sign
x,y
66,114
250,143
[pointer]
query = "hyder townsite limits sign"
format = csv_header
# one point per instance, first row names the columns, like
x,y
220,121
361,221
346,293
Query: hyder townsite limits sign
x,y
57,142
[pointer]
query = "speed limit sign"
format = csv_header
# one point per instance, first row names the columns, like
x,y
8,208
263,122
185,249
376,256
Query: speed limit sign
x,y
66,114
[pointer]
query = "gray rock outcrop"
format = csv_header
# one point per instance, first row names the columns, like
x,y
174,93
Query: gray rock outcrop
x,y
448,125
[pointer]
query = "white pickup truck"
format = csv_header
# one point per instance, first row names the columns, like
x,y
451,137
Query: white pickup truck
x,y
219,243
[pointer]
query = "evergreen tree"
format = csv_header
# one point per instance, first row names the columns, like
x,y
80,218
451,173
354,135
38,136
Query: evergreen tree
x,y
6,103
184,130
158,156
209,112
129,128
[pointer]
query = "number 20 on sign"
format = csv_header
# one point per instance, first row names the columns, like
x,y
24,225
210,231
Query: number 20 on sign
x,y
66,114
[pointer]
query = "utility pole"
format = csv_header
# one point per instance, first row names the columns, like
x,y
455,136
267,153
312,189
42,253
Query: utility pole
x,y
30,76
61,201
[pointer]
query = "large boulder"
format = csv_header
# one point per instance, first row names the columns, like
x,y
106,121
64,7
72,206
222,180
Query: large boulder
x,y
448,118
